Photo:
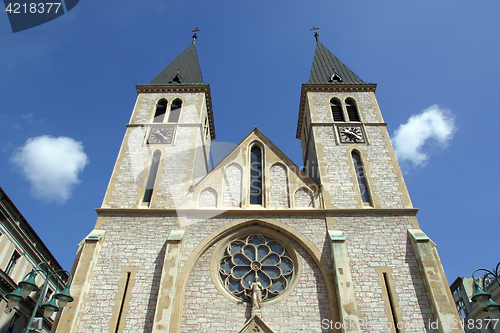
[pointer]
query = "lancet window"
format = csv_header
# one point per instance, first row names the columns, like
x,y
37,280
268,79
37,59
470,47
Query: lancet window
x,y
175,111
148,193
352,110
256,176
360,175
337,113
161,109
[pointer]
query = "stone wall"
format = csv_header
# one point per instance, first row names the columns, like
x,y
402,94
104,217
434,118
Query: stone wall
x,y
233,177
279,186
183,162
386,185
376,242
135,244
207,310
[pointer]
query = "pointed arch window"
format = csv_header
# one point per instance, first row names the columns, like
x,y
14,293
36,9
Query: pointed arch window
x,y
337,113
161,109
352,110
148,193
360,175
256,176
175,111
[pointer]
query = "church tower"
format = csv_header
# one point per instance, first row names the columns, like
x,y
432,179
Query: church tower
x,y
256,244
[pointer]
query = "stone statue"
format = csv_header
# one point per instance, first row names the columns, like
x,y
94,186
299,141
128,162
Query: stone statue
x,y
256,288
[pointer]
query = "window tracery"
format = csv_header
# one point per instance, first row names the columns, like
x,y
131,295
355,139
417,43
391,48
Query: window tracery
x,y
256,256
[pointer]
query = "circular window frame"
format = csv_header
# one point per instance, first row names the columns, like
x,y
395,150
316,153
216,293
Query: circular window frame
x,y
259,230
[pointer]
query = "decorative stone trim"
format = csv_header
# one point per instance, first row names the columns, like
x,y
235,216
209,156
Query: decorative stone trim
x,y
232,211
436,284
344,283
230,228
254,230
169,274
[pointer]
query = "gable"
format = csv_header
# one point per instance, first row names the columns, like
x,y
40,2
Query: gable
x,y
229,184
256,324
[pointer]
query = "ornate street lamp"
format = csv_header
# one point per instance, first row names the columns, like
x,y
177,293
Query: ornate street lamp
x,y
28,285
482,297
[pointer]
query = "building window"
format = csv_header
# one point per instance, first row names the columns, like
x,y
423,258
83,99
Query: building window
x,y
175,111
12,262
148,193
47,295
206,130
352,110
337,113
256,176
161,109
462,310
256,256
360,175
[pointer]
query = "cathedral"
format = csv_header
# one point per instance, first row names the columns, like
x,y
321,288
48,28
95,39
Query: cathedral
x,y
257,244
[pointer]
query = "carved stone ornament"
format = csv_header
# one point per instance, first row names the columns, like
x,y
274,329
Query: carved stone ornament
x,y
161,135
351,134
256,268
256,325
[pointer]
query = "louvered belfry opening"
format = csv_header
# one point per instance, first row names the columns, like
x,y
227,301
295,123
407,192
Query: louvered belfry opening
x,y
175,111
352,110
337,113
161,109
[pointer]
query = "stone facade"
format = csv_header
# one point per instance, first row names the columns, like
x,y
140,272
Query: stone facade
x,y
170,257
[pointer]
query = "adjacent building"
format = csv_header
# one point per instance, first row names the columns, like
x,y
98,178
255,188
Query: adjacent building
x,y
475,319
20,251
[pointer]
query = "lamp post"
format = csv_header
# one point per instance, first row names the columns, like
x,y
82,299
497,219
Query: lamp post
x,y
28,285
482,297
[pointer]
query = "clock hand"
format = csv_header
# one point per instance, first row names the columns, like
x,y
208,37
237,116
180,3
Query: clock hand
x,y
163,136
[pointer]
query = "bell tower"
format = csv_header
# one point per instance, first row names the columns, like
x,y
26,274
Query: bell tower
x,y
381,257
167,142
345,143
165,150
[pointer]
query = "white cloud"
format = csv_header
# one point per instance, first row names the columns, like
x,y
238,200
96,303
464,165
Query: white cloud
x,y
51,165
433,125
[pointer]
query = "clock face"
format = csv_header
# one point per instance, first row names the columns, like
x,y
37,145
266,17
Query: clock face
x,y
161,135
351,134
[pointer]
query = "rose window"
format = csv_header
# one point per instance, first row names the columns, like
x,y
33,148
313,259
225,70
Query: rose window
x,y
256,255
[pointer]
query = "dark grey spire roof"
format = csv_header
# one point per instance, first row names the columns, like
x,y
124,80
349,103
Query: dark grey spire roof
x,y
183,70
327,69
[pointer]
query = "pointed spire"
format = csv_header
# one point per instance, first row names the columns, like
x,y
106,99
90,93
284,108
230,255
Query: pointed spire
x,y
183,70
327,69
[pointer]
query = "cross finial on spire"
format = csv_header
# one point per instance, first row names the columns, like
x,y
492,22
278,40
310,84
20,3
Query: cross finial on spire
x,y
315,29
195,36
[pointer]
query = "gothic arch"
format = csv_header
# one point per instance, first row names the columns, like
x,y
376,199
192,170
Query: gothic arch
x,y
208,198
308,197
279,185
160,110
232,189
256,174
352,108
174,113
229,228
367,175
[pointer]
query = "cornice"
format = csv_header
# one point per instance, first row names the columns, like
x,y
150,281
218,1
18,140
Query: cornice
x,y
195,88
250,212
307,87
145,88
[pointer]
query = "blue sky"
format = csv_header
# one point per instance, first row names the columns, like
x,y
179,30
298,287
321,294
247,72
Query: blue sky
x,y
75,77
